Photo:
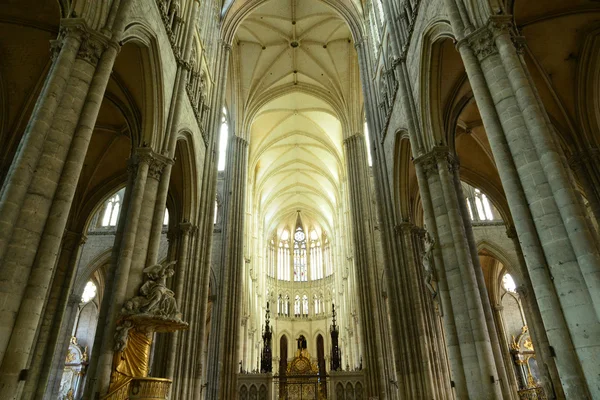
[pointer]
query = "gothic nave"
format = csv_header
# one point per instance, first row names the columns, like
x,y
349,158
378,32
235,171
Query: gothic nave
x,y
299,199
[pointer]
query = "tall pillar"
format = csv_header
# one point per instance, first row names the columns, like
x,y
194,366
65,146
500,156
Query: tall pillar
x,y
364,260
53,339
503,363
224,350
54,146
182,273
429,354
102,357
549,377
558,245
475,346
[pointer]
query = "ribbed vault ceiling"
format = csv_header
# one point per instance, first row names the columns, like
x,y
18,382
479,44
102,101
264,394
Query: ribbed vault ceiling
x,y
295,61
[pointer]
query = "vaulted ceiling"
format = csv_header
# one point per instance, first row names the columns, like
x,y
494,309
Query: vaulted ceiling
x,y
296,65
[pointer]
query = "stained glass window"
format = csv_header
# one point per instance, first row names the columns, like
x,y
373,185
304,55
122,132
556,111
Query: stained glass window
x,y
300,268
283,259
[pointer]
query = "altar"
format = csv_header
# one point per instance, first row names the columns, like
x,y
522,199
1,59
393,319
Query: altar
x,y
301,380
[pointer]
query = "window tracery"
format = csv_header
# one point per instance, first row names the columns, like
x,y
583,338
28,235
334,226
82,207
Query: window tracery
x,y
479,207
300,267
283,259
111,211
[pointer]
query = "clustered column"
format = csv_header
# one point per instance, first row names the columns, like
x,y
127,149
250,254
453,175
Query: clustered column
x,y
558,244
38,191
472,356
364,261
224,350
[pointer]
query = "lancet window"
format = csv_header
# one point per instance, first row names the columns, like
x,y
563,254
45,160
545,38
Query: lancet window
x,y
271,259
478,205
509,283
327,258
368,143
283,259
300,267
316,256
223,138
166,218
111,211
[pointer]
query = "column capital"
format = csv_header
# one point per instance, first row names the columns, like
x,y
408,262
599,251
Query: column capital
x,y
72,240
240,140
156,162
185,227
482,40
353,138
404,227
430,160
92,43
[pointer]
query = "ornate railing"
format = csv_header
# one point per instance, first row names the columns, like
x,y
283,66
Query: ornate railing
x,y
119,393
532,394
149,388
141,389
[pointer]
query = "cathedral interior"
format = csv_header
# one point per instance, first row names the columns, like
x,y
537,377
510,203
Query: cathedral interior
x,y
299,199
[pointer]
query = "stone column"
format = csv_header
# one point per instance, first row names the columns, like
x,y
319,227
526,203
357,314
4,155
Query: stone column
x,y
429,356
368,282
202,257
503,360
182,273
475,348
24,291
50,391
104,341
59,315
561,257
49,192
223,352
66,49
549,377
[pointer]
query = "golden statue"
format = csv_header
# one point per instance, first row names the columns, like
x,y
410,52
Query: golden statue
x,y
153,310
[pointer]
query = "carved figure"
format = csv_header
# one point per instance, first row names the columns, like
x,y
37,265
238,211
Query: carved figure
x,y
428,263
154,296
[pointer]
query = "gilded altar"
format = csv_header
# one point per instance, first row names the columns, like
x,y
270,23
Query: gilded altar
x,y
301,380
